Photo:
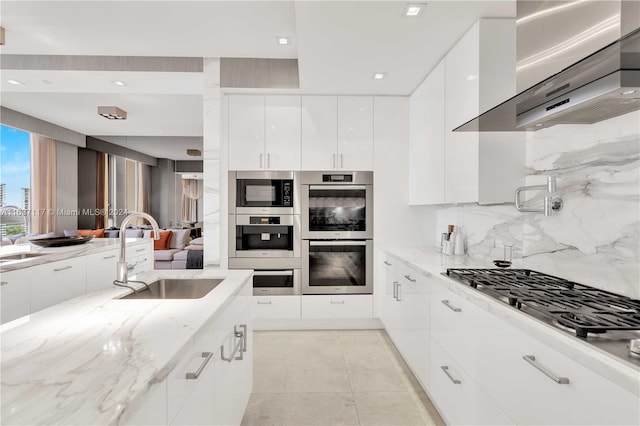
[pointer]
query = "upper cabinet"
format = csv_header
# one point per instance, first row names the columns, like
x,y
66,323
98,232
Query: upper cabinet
x,y
264,132
337,133
459,167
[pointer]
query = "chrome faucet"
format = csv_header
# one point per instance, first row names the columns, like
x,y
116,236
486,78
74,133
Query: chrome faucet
x,y
550,203
123,270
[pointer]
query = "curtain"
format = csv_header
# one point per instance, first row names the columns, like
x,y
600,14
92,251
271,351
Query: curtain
x,y
191,192
43,184
102,189
144,188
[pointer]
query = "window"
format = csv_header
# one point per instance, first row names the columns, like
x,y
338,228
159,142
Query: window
x,y
15,179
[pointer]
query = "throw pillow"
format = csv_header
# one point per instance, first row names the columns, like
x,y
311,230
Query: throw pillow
x,y
163,242
133,233
194,247
179,238
97,233
199,241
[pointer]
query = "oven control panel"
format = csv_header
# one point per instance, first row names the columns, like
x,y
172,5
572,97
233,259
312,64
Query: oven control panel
x,y
268,220
287,193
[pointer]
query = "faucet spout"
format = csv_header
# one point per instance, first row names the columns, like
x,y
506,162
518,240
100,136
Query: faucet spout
x,y
123,270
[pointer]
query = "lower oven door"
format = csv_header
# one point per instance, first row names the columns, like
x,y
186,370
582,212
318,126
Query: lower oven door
x,y
337,267
270,281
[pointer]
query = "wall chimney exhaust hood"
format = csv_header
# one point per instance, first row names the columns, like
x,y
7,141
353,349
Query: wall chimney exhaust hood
x,y
603,85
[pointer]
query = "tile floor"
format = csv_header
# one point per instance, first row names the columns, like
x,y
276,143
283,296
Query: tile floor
x,y
336,377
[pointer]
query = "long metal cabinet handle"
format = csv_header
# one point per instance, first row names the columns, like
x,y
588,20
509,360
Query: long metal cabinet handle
x,y
531,359
260,160
446,371
268,161
207,357
236,348
338,187
413,280
141,250
62,269
399,298
448,305
264,303
337,243
337,302
334,161
258,273
4,282
395,290
342,161
244,337
387,263
109,257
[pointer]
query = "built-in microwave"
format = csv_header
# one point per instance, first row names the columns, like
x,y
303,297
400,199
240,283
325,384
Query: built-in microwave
x,y
262,192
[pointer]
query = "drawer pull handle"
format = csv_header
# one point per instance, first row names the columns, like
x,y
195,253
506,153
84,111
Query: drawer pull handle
x,y
207,357
4,282
398,293
337,302
387,263
240,345
109,257
410,279
264,303
448,305
62,269
141,250
550,374
446,371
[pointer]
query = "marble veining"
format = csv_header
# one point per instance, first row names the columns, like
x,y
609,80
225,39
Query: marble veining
x,y
87,360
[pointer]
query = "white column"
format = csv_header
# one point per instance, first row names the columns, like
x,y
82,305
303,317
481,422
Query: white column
x,y
213,165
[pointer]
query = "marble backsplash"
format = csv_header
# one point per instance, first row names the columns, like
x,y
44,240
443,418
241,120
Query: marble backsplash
x,y
595,238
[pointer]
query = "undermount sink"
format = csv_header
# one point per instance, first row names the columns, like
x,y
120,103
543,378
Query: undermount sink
x,y
19,256
175,288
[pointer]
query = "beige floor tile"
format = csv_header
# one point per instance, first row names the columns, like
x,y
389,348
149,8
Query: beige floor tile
x,y
301,409
371,368
358,337
328,375
390,408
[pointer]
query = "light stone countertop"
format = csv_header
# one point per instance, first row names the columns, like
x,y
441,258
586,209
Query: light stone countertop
x,y
54,254
86,360
431,263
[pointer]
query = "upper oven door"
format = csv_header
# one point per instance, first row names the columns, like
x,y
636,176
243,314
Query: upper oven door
x,y
337,211
264,193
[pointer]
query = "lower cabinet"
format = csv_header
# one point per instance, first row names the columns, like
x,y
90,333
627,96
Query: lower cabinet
x,y
102,269
275,307
55,282
337,306
15,297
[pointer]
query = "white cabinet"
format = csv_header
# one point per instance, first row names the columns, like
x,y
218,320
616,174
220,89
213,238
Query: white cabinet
x,y
283,129
102,269
337,133
140,258
274,307
56,282
264,132
426,139
456,167
337,306
150,409
15,298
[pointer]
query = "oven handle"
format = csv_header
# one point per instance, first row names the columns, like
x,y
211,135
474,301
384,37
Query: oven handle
x,y
339,187
337,243
270,273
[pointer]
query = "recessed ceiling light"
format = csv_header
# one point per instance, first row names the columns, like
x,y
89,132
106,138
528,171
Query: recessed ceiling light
x,y
112,112
413,9
471,77
283,41
14,82
119,83
628,92
379,75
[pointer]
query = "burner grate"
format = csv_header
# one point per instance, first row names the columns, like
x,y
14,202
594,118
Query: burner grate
x,y
582,308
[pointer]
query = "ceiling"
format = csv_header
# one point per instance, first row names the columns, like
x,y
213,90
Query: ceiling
x,y
339,45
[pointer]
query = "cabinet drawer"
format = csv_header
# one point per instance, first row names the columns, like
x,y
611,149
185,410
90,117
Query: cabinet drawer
x,y
338,306
459,399
15,295
275,307
56,282
102,269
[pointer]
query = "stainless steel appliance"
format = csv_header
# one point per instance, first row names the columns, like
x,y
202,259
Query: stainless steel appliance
x,y
337,267
264,236
262,193
336,205
604,319
276,282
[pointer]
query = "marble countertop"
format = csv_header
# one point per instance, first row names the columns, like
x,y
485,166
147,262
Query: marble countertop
x,y
85,360
431,263
54,254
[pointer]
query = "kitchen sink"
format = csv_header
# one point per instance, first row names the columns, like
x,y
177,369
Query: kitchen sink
x,y
19,256
175,288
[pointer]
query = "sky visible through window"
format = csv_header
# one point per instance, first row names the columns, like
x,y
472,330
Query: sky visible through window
x,y
15,164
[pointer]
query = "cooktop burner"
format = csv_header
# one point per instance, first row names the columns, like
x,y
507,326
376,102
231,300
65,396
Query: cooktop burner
x,y
582,308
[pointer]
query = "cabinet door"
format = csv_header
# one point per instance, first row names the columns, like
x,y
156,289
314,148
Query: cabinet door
x,y
279,306
102,269
140,258
149,409
355,133
15,287
56,282
283,132
319,132
427,139
246,133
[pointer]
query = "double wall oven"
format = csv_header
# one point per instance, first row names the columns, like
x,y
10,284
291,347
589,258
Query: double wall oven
x,y
337,232
264,230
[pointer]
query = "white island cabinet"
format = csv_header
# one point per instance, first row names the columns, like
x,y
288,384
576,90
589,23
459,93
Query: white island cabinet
x,y
489,363
15,289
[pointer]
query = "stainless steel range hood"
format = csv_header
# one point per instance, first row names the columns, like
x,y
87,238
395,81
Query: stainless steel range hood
x,y
602,85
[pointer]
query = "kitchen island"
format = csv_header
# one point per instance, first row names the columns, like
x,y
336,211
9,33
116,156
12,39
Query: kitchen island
x,y
97,359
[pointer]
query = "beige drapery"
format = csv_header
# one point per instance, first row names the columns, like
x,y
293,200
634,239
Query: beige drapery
x,y
102,189
191,192
43,184
144,188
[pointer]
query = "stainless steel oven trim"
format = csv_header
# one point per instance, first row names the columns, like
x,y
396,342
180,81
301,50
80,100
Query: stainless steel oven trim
x,y
337,243
293,220
338,187
245,219
263,175
271,291
346,235
366,289
313,178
